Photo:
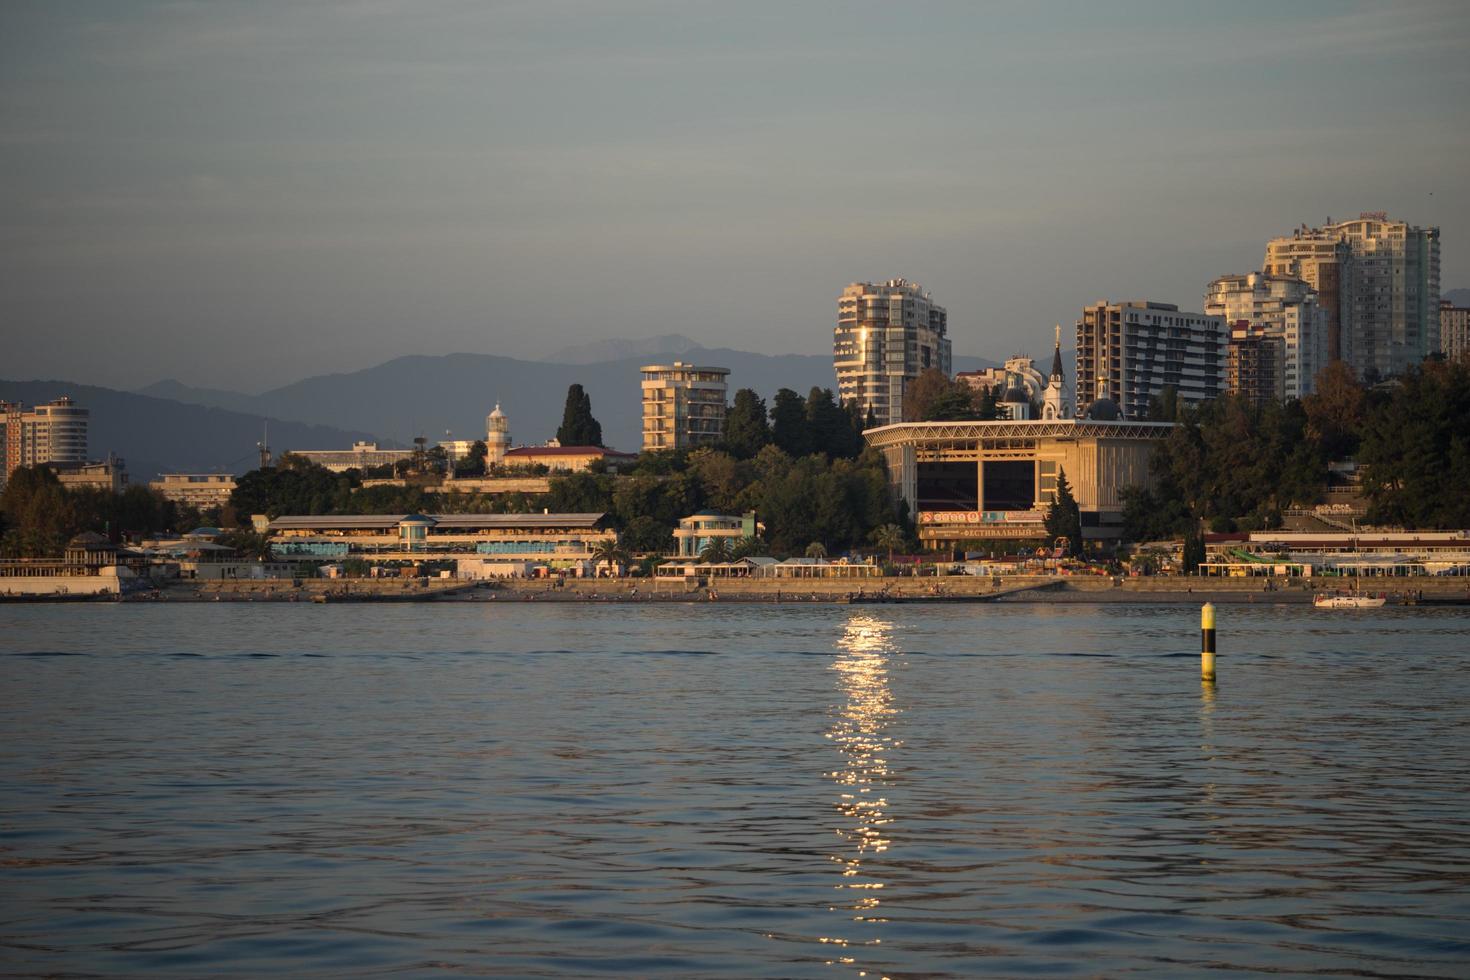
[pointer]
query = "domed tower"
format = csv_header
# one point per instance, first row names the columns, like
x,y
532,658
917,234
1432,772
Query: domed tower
x,y
1054,399
1014,402
497,436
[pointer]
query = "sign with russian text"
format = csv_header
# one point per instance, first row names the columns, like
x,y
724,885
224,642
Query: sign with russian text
x,y
980,517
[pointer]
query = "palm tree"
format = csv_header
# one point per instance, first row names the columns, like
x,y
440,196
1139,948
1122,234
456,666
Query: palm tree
x,y
749,546
718,550
611,552
816,550
889,536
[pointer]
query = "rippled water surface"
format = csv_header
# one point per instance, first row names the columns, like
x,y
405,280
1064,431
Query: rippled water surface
x,y
746,791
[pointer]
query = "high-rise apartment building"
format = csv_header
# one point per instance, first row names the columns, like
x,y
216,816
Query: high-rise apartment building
x,y
1286,311
1454,330
1253,363
1131,351
1388,287
55,432
683,405
886,335
1321,260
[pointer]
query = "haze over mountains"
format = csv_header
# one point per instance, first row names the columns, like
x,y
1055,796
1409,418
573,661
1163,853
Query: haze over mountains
x,y
427,395
156,435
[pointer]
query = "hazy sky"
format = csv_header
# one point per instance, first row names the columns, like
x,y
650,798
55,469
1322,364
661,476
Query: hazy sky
x,y
243,194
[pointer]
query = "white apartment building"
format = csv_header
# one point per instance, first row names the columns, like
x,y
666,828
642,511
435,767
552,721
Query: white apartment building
x,y
1387,284
1130,351
683,405
886,335
200,490
55,432
1283,308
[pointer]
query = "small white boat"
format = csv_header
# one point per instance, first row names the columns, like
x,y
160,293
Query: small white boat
x,y
1348,601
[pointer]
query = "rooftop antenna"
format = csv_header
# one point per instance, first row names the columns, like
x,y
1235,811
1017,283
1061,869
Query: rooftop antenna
x,y
264,446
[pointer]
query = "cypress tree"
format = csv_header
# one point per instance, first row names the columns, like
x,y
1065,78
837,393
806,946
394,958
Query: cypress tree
x,y
746,430
578,427
788,424
1063,516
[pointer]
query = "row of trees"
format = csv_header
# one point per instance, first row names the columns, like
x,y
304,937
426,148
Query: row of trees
x,y
1237,466
38,515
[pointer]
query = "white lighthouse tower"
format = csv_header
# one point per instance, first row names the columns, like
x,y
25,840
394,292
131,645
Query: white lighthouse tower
x,y
497,436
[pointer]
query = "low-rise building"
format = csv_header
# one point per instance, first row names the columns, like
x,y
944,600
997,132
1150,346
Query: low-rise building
x,y
558,541
109,475
199,490
362,456
698,531
567,459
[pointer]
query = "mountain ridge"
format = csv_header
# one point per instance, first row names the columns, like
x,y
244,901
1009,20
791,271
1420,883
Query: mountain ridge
x,y
431,394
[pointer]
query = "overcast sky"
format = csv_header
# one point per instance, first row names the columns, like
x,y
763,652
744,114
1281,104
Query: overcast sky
x,y
244,194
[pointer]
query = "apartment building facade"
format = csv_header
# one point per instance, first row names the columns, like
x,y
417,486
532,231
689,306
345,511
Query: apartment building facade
x,y
1130,351
683,405
55,432
1277,313
887,334
1387,275
1454,330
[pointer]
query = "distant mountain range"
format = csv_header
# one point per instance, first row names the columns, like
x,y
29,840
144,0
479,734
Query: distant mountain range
x,y
1458,297
158,435
416,395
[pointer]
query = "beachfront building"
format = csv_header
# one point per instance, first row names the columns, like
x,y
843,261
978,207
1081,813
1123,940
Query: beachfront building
x,y
1454,330
89,566
974,481
199,490
55,432
1360,553
529,541
1271,315
887,334
1020,371
362,456
1129,352
698,531
683,405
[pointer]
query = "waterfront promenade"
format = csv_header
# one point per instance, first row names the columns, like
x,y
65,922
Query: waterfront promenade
x,y
1046,589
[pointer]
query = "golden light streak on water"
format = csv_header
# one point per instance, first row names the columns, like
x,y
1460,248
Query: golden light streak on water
x,y
860,731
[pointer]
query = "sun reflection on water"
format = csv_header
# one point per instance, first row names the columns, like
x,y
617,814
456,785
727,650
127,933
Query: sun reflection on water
x,y
860,731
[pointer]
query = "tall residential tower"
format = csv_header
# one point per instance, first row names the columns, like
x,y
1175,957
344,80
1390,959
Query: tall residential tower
x,y
1387,284
1131,351
887,334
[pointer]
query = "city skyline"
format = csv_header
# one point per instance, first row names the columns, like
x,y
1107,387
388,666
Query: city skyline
x,y
242,198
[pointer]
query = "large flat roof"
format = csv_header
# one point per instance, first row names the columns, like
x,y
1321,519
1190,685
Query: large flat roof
x,y
900,432
337,522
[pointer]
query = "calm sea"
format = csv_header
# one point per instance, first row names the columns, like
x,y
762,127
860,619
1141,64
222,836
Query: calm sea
x,y
811,791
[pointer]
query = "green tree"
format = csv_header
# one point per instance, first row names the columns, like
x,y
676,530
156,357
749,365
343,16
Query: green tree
x,y
1063,517
750,546
746,429
611,554
580,493
788,424
1335,410
816,550
578,427
890,538
716,551
1415,451
829,427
